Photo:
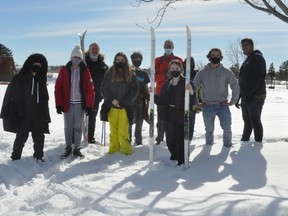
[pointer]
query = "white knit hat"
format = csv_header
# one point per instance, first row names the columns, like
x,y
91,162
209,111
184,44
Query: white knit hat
x,y
77,52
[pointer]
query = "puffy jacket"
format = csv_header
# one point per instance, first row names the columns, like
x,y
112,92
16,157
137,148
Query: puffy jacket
x,y
62,87
161,70
124,92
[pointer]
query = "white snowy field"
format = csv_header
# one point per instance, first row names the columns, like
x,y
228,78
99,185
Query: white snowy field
x,y
245,180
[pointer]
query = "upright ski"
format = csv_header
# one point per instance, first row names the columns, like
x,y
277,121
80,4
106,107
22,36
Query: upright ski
x,y
151,105
186,107
85,122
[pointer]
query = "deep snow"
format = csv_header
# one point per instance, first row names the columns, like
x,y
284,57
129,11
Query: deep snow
x,y
248,179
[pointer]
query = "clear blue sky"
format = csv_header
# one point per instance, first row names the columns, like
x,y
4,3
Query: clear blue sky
x,y
50,27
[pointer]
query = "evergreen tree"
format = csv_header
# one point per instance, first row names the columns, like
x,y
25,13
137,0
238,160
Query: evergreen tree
x,y
271,71
4,51
283,71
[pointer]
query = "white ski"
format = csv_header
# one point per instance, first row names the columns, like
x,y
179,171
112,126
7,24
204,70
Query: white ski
x,y
85,122
151,103
186,108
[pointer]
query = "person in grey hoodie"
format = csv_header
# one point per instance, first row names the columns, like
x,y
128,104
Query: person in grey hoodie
x,y
215,79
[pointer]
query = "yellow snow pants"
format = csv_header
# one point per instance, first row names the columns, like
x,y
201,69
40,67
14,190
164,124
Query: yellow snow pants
x,y
119,132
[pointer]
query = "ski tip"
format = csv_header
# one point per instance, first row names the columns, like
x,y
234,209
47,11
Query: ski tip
x,y
188,29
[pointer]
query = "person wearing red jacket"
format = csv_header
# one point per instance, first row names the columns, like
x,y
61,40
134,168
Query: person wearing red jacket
x,y
161,76
74,94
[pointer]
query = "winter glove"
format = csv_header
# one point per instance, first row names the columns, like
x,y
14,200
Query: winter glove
x,y
59,109
88,111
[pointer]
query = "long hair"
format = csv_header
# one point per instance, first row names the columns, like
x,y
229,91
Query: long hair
x,y
124,74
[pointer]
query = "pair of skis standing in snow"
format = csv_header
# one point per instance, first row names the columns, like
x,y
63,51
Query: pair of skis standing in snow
x,y
151,116
186,106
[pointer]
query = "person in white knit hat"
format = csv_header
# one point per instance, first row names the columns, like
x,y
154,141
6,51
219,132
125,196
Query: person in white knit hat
x,y
74,95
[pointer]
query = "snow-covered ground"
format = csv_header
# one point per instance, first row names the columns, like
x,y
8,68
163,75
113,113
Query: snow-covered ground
x,y
245,180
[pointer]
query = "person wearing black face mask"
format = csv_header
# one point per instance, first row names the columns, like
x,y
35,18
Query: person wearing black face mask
x,y
142,101
214,80
172,97
25,107
119,89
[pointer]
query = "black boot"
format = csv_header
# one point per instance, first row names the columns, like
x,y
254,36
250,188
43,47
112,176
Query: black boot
x,y
68,151
78,153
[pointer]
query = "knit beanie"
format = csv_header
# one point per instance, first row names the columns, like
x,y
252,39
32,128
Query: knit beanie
x,y
77,52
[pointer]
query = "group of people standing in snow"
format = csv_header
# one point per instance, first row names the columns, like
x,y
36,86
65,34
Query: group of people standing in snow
x,y
80,88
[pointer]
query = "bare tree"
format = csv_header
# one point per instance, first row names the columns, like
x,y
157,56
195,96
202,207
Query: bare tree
x,y
278,8
235,55
234,52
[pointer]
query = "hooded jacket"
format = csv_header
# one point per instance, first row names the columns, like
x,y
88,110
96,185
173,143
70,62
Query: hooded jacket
x,y
26,97
214,83
252,76
63,84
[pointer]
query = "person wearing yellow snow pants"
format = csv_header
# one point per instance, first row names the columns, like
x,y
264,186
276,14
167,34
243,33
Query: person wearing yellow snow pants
x,y
119,131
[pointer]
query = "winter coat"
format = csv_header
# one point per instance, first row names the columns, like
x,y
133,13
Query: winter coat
x,y
161,70
124,92
97,70
21,104
179,99
252,76
63,84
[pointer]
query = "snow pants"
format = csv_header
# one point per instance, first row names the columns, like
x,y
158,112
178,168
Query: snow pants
x,y
119,132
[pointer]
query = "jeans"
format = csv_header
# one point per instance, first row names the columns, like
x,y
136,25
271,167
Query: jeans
x,y
224,115
251,114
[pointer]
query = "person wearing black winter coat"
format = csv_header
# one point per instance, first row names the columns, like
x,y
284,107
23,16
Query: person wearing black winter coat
x,y
172,96
98,68
25,106
253,90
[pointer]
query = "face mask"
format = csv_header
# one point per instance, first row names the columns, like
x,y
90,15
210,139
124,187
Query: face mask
x,y
175,73
36,68
137,63
168,51
215,60
76,61
120,65
93,57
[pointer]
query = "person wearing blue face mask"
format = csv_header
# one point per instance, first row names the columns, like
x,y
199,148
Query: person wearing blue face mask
x,y
98,68
214,80
161,76
74,95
